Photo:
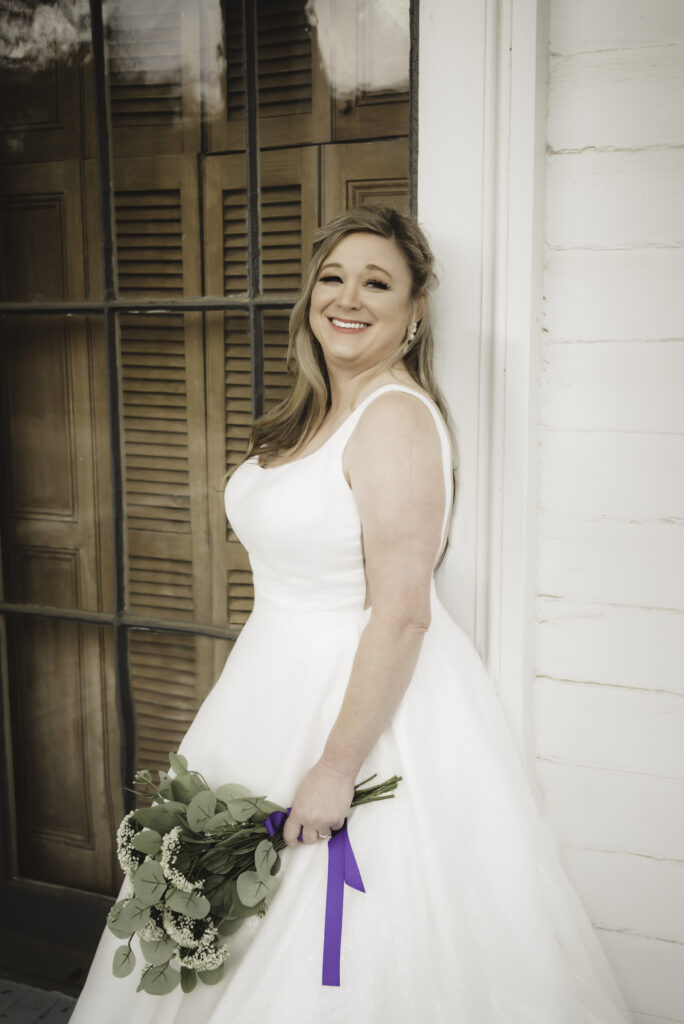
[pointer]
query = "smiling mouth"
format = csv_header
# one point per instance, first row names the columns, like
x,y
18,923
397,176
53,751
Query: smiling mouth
x,y
347,325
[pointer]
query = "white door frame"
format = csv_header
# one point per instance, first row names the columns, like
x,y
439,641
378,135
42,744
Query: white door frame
x,y
481,137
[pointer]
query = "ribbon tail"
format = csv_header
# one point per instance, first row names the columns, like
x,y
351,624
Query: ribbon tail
x,y
342,868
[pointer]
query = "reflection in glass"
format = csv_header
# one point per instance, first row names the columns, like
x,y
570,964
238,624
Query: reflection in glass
x,y
171,673
55,499
67,801
363,45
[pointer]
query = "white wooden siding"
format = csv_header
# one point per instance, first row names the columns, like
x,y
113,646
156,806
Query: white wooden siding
x,y
609,687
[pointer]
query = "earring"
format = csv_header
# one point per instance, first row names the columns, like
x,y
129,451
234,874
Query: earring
x,y
412,332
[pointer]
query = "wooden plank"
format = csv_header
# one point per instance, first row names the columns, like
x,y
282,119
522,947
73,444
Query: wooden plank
x,y
620,386
609,727
611,561
614,24
634,647
615,199
617,99
612,810
611,474
614,295
650,972
628,892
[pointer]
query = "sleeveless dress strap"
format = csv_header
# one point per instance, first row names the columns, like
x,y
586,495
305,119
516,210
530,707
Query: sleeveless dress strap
x,y
348,427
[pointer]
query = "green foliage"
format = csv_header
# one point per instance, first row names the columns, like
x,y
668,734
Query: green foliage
x,y
265,859
212,977
201,810
186,784
159,951
148,841
192,904
252,889
124,961
149,883
161,817
159,979
188,979
133,917
178,763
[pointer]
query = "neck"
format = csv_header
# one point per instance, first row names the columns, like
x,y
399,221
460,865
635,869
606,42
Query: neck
x,y
345,388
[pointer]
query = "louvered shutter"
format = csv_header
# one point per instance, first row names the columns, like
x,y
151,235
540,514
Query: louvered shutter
x,y
154,77
294,97
164,458
288,205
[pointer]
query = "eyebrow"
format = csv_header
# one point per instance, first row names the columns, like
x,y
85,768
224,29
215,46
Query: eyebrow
x,y
369,266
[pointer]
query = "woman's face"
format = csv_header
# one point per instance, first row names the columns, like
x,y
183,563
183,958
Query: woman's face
x,y
361,306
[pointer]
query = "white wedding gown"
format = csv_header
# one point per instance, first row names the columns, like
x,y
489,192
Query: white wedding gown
x,y
468,916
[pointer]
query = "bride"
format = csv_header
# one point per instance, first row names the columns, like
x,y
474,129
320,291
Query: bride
x,y
350,665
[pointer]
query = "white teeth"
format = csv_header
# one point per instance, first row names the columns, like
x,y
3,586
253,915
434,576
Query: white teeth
x,y
347,323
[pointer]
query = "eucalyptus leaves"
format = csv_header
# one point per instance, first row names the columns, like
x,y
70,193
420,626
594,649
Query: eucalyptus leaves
x,y
200,862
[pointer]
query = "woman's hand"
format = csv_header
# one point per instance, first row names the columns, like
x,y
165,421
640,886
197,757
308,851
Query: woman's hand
x,y
321,803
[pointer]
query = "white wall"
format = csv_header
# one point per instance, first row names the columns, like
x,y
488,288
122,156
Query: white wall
x,y
609,681
594,685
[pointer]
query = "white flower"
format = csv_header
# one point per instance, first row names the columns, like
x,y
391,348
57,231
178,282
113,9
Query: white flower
x,y
169,854
206,959
128,857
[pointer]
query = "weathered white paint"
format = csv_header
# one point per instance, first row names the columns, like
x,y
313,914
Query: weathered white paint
x,y
605,484
615,199
618,386
607,809
630,892
613,562
609,692
611,474
616,98
614,24
651,972
638,647
614,295
610,727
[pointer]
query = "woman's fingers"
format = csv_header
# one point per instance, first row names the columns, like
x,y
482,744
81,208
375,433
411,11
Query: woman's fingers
x,y
291,831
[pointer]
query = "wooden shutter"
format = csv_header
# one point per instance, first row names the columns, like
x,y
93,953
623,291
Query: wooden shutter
x,y
157,227
294,99
288,207
289,202
154,77
355,173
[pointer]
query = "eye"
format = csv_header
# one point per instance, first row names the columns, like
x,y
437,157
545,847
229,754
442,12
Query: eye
x,y
374,283
330,279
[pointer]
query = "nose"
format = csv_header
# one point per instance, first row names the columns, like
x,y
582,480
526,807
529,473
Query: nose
x,y
348,296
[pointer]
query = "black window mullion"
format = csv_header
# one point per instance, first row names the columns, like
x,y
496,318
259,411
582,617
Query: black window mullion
x,y
249,47
124,694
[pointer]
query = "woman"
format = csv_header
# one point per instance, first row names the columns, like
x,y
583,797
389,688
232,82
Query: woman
x,y
350,665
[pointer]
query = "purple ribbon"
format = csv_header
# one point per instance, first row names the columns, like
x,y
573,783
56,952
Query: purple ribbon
x,y
342,869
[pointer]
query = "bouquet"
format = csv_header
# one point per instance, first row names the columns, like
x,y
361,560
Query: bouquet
x,y
201,862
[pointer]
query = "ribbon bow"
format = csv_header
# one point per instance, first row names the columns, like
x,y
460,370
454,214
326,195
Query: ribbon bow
x,y
342,869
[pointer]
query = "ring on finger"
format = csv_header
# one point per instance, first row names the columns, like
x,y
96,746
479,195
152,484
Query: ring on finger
x,y
326,835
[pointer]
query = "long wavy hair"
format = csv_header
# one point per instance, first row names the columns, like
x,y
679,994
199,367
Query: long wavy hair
x,y
290,425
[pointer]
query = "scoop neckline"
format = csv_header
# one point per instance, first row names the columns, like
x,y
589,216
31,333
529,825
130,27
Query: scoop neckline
x,y
305,458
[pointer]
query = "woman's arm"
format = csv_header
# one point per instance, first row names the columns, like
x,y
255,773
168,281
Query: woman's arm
x,y
393,464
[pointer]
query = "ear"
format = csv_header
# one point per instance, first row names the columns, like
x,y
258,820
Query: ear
x,y
419,309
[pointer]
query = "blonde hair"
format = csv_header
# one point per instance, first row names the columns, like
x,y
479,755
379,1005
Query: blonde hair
x,y
290,425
